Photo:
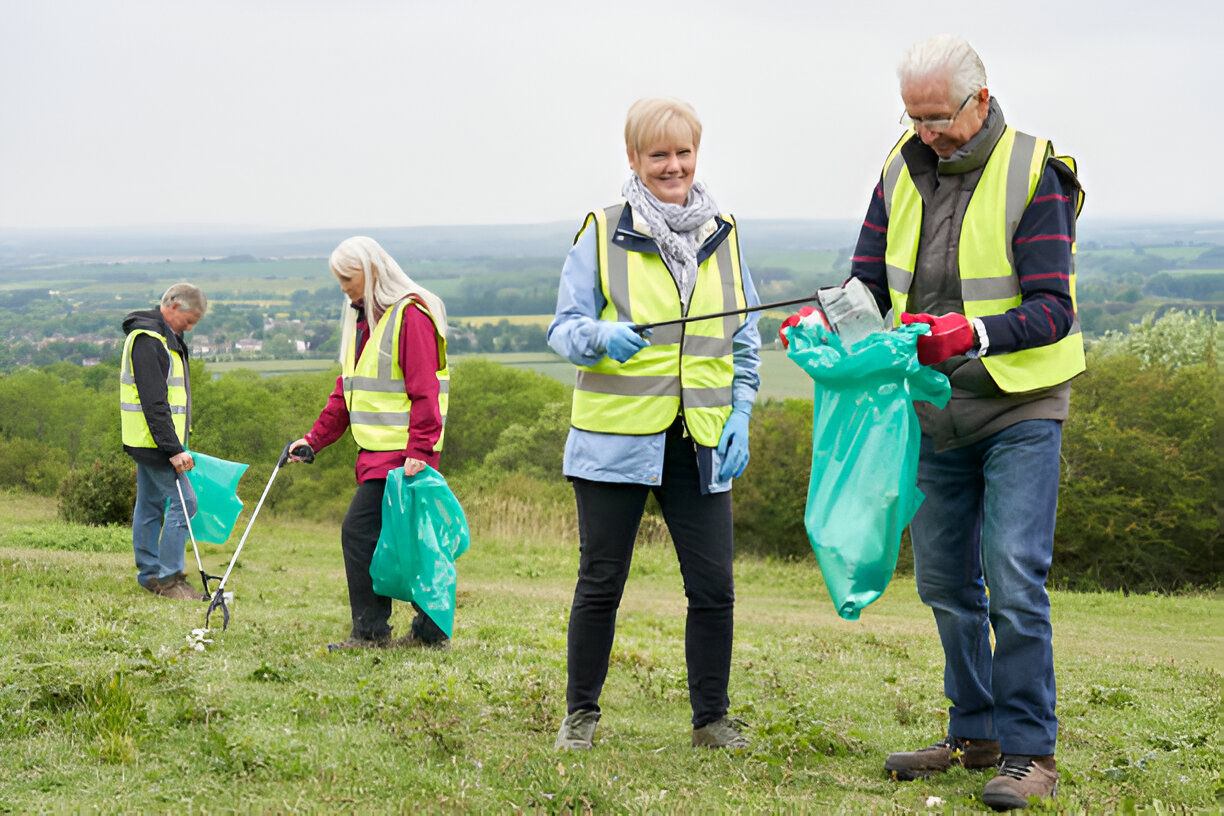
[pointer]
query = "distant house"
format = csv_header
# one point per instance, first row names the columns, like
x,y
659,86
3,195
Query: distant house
x,y
90,361
249,344
300,345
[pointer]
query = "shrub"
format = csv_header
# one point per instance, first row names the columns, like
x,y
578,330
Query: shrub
x,y
769,500
101,494
32,465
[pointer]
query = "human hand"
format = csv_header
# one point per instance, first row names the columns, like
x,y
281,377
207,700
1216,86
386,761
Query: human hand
x,y
793,320
413,466
620,341
733,446
182,462
294,445
951,334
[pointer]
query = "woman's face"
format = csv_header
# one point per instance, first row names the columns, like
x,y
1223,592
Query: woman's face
x,y
666,167
354,286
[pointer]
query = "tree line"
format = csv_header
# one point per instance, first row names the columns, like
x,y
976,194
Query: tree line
x,y
1139,508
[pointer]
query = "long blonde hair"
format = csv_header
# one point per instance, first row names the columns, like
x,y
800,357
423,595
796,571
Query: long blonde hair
x,y
386,284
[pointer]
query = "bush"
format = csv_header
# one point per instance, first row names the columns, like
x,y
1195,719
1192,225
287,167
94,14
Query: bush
x,y
1138,504
102,494
31,465
536,449
769,500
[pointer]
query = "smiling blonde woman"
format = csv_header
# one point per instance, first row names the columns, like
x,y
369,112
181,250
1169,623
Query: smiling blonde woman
x,y
665,414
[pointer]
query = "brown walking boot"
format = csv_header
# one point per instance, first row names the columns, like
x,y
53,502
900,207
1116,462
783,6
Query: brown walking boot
x,y
176,587
974,755
1020,778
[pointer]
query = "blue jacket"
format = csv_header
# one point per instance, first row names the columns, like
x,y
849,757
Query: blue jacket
x,y
574,335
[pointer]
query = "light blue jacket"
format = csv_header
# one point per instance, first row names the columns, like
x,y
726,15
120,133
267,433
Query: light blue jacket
x,y
574,334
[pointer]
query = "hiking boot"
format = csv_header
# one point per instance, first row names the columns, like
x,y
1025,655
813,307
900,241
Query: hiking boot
x,y
177,587
577,731
1019,778
411,641
723,733
973,755
359,643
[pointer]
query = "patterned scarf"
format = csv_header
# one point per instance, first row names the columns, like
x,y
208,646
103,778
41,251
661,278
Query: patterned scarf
x,y
674,229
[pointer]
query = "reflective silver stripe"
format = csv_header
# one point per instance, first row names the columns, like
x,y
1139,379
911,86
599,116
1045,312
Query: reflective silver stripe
x,y
999,288
178,409
623,385
127,379
386,354
707,397
696,345
444,386
395,418
891,174
726,271
1017,193
618,264
666,335
129,406
899,279
375,385
173,381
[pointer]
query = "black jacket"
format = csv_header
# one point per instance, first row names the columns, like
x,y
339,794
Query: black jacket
x,y
150,367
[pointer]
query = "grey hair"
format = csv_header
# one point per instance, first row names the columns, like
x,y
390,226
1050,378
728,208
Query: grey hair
x,y
944,54
189,298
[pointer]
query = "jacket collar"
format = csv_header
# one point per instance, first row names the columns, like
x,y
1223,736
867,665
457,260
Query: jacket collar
x,y
634,236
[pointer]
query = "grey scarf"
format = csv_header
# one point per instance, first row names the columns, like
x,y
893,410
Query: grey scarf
x,y
674,227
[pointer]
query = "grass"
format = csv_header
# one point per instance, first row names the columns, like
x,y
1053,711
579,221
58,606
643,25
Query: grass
x,y
106,706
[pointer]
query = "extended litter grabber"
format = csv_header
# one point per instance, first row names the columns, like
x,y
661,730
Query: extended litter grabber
x,y
849,311
204,576
306,455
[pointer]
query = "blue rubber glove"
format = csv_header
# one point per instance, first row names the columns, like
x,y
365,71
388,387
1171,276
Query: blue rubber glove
x,y
620,342
733,446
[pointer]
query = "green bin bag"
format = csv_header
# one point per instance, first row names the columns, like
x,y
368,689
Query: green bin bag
x,y
863,488
215,482
423,532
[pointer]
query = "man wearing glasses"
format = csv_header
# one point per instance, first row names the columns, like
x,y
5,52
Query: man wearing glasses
x,y
971,230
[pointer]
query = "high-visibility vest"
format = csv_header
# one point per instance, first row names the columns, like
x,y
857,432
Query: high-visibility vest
x,y
133,426
687,366
379,409
989,282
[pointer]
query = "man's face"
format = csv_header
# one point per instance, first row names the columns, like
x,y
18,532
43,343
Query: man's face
x,y
930,99
178,319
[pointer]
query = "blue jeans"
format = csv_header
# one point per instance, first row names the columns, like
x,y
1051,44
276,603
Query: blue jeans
x,y
988,522
159,530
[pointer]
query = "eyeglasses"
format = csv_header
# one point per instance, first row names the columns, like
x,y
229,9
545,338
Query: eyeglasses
x,y
935,125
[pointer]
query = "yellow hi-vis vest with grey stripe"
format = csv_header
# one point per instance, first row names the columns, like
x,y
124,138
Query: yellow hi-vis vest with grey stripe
x,y
687,366
132,425
990,284
378,407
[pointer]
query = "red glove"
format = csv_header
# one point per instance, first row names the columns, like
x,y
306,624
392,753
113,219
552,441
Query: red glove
x,y
794,319
950,335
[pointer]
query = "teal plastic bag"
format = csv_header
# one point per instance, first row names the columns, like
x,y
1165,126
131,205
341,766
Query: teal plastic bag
x,y
215,482
863,488
423,532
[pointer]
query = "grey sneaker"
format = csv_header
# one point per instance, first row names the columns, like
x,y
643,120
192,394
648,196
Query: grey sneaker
x,y
974,755
1019,778
577,731
724,733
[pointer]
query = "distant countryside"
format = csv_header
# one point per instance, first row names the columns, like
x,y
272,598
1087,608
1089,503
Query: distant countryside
x,y
274,306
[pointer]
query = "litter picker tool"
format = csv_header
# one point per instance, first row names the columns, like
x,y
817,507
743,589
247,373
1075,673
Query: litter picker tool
x,y
641,327
306,455
204,576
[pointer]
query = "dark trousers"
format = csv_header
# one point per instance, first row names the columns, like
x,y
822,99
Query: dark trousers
x,y
358,540
608,518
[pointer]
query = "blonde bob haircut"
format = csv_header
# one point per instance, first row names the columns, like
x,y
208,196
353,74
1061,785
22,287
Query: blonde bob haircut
x,y
654,119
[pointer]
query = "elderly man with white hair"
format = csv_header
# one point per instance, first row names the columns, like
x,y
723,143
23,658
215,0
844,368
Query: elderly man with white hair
x,y
971,230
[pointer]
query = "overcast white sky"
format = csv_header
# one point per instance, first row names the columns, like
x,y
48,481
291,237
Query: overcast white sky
x,y
322,113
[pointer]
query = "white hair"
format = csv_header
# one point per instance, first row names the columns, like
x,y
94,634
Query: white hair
x,y
188,297
944,55
385,285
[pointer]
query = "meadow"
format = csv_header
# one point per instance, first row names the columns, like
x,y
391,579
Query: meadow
x,y
109,707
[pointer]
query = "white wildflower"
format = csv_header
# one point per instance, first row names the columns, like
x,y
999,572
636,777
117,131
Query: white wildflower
x,y
934,801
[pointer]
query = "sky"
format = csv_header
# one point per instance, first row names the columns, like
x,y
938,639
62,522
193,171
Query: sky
x,y
302,114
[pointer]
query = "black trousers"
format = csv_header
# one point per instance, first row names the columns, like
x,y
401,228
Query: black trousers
x,y
358,540
608,518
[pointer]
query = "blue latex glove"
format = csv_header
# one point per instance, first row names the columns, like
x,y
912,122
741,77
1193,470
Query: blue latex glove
x,y
733,446
620,342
